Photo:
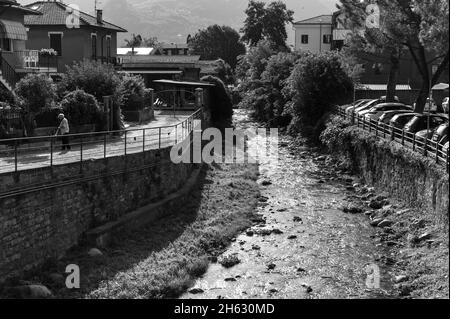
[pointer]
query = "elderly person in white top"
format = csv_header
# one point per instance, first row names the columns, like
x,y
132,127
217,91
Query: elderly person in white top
x,y
63,130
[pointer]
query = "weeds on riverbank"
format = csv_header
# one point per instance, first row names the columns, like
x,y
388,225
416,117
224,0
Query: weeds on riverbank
x,y
163,259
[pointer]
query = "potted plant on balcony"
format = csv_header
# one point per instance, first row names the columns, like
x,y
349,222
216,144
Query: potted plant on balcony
x,y
48,53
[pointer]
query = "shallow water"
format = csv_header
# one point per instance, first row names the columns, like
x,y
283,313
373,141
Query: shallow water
x,y
331,250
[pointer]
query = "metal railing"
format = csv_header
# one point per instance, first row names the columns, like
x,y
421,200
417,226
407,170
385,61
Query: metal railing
x,y
38,152
8,71
424,146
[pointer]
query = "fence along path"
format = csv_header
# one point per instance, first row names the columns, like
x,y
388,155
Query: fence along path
x,y
38,152
426,147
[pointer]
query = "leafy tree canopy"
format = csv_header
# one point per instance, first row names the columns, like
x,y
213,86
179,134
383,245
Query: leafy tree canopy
x,y
217,42
266,22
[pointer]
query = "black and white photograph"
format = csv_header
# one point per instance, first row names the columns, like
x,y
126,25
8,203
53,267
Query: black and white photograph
x,y
224,158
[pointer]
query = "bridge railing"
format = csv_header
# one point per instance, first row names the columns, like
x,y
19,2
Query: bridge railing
x,y
38,152
424,146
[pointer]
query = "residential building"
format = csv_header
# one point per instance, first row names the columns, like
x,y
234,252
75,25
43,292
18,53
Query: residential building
x,y
172,49
330,32
92,38
314,34
15,60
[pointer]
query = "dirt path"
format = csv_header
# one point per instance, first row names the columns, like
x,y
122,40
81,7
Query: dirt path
x,y
308,247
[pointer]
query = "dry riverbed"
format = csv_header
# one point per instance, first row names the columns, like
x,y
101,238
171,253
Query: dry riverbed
x,y
303,227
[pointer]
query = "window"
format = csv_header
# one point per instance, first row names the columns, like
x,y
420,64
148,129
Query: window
x,y
305,39
94,45
108,46
327,38
6,44
56,42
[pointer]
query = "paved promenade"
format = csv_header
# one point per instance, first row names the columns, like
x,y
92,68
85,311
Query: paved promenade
x,y
36,155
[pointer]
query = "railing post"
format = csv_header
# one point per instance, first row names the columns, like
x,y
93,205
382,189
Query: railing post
x,y
104,146
425,148
403,137
51,152
125,142
176,134
437,152
143,140
159,138
448,165
81,154
414,142
15,156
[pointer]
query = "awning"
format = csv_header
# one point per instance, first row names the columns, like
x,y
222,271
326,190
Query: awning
x,y
152,71
383,87
184,83
12,30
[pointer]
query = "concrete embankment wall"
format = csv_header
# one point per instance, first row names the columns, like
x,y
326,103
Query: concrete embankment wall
x,y
399,171
44,221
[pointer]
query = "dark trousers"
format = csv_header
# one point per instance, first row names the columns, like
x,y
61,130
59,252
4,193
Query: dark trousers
x,y
65,142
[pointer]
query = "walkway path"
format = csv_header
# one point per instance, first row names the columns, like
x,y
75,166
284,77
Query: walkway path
x,y
32,156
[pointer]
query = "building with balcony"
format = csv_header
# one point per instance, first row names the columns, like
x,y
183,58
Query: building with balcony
x,y
15,60
74,35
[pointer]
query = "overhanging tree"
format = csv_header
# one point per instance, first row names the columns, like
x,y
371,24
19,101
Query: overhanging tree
x,y
371,42
422,28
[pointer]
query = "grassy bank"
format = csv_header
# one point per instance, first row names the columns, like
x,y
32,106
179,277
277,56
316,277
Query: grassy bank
x,y
162,260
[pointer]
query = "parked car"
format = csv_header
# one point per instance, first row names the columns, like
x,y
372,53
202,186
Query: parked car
x,y
375,112
386,117
423,135
441,134
445,105
349,108
371,104
445,147
420,122
429,106
399,121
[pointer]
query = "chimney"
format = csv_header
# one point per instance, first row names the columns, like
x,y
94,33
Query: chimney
x,y
99,16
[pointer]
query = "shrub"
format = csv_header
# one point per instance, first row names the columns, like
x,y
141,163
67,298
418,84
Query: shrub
x,y
94,78
48,117
220,104
81,108
318,82
35,92
98,80
133,92
7,96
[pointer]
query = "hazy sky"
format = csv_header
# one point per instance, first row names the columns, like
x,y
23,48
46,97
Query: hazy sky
x,y
88,5
303,9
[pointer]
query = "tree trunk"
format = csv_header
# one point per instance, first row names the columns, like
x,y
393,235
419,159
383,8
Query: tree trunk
x,y
422,97
393,75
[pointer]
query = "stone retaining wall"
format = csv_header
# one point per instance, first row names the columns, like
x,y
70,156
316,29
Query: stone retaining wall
x,y
45,222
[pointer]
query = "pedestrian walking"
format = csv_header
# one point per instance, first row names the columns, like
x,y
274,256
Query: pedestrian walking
x,y
63,131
